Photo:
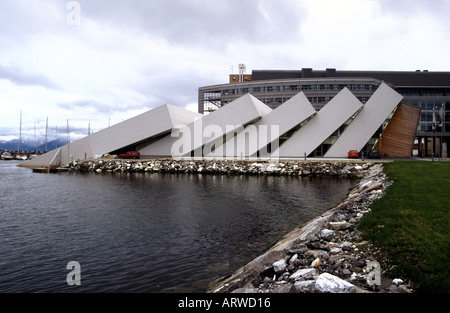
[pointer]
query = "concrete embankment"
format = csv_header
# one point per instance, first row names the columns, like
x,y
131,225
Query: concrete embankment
x,y
326,254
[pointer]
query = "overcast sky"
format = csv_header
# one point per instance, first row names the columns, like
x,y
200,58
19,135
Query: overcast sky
x,y
99,62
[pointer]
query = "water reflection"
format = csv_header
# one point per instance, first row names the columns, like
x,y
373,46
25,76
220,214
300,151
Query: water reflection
x,y
146,232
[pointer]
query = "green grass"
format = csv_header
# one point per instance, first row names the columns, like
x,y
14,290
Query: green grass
x,y
410,224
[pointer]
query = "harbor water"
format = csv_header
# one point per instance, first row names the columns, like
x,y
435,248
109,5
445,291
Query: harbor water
x,y
146,232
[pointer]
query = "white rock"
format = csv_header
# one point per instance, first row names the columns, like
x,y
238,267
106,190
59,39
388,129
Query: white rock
x,y
293,258
245,290
305,286
346,245
340,225
327,234
364,185
279,266
303,272
398,281
335,250
328,283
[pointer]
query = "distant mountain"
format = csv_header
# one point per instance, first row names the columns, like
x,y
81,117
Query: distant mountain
x,y
28,145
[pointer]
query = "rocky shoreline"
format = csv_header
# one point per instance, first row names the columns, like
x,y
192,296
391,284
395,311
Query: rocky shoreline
x,y
247,167
326,255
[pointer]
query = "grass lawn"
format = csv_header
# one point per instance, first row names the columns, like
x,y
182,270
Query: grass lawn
x,y
410,224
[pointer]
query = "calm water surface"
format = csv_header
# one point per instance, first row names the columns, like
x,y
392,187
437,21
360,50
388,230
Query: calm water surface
x,y
145,232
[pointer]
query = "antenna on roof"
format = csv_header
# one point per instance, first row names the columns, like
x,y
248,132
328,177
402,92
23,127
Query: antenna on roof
x,y
241,72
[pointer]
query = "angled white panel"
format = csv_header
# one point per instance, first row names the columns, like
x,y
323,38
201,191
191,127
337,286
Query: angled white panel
x,y
275,123
149,124
376,110
321,126
291,113
143,127
209,128
79,149
43,160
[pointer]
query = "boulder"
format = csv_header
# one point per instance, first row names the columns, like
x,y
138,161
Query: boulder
x,y
375,186
327,283
279,266
340,225
398,281
249,288
317,254
335,250
327,234
293,259
307,286
316,263
285,288
305,272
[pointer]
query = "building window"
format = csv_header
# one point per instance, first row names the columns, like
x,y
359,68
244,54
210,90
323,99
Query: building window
x,y
228,92
242,90
211,95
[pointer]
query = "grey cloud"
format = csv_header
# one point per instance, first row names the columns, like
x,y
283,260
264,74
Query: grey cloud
x,y
200,22
103,109
22,19
437,8
23,78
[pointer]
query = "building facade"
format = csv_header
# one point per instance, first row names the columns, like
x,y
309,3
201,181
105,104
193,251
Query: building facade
x,y
246,128
429,91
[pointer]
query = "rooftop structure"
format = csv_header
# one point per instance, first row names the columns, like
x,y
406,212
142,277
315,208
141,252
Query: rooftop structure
x,y
427,90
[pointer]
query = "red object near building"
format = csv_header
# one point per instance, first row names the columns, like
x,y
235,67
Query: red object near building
x,y
353,154
130,155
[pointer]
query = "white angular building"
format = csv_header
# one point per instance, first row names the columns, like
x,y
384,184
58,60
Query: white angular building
x,y
373,114
247,128
332,116
267,131
127,135
192,139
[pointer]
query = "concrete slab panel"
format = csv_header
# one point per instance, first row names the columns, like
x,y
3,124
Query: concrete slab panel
x,y
139,128
208,129
145,126
321,126
374,113
268,129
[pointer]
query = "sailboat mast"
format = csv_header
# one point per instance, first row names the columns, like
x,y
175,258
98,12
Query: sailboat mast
x,y
35,138
20,133
68,142
68,134
46,132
